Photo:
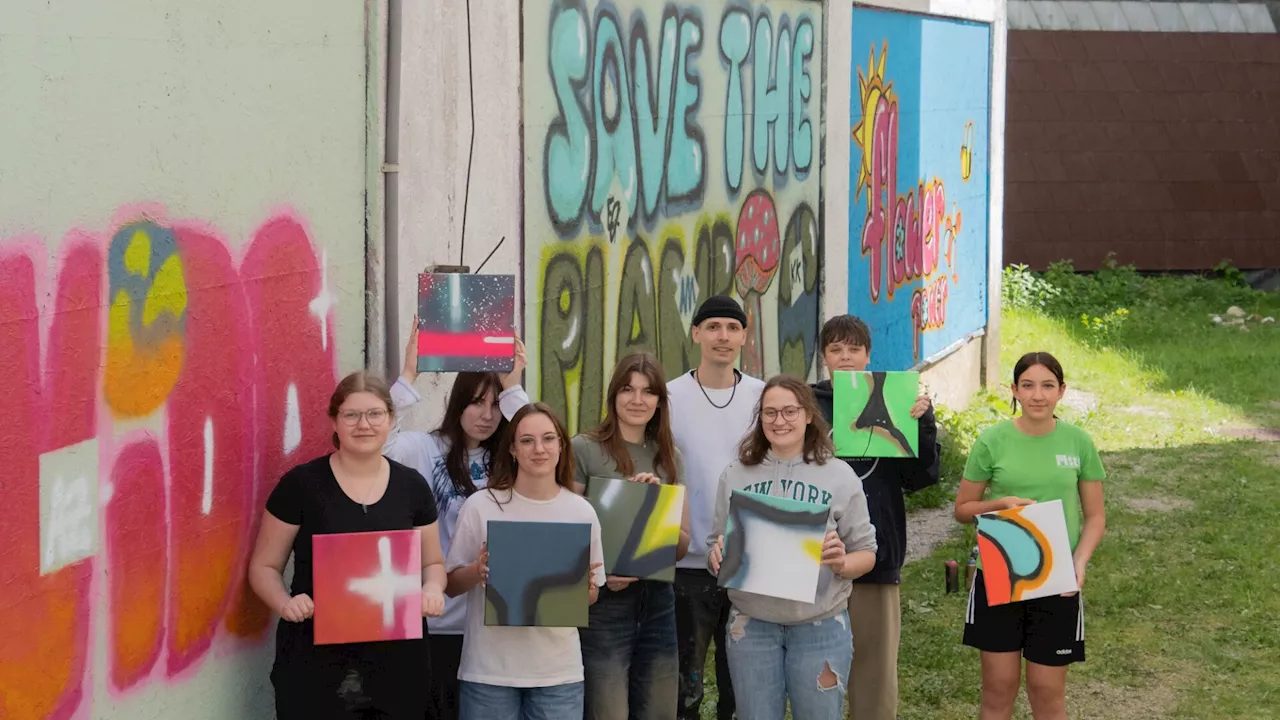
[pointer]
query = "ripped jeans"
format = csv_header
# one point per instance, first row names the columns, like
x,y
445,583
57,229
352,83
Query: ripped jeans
x,y
808,663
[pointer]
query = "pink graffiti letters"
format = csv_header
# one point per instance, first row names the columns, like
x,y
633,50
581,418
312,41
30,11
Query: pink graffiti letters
x,y
226,369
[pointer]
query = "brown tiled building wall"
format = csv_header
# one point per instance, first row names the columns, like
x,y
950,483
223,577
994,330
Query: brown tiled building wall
x,y
1161,147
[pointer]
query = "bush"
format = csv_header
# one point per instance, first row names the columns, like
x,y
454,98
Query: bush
x,y
1022,288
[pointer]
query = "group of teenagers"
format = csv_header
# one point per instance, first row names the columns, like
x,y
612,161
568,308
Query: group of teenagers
x,y
497,456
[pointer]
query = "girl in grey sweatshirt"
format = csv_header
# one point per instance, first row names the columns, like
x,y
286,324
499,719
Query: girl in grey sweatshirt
x,y
777,648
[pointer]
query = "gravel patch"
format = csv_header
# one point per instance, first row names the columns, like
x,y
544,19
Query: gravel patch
x,y
927,529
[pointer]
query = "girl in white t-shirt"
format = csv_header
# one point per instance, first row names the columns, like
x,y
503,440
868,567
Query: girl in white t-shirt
x,y
520,672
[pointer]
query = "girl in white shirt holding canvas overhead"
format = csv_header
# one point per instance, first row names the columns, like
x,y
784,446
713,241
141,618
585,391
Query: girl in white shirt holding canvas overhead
x,y
520,672
780,649
455,458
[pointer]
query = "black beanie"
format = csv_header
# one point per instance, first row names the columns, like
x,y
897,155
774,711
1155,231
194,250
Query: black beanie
x,y
719,306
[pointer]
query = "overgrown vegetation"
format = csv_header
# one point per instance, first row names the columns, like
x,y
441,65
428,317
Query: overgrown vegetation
x,y
1184,591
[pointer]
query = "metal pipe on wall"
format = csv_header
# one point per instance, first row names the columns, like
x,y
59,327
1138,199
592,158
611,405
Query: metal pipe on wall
x,y
391,170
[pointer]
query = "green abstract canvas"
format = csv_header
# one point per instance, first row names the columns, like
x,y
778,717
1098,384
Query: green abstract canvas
x,y
871,414
639,526
537,574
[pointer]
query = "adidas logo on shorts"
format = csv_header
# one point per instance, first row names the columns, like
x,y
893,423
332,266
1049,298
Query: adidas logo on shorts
x,y
1064,652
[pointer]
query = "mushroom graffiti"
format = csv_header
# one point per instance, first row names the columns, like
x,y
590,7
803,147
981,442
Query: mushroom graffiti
x,y
758,248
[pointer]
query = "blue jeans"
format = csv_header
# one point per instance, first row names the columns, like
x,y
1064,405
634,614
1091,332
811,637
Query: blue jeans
x,y
477,701
807,663
629,654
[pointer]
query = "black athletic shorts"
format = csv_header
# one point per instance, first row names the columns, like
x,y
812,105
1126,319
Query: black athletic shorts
x,y
1048,630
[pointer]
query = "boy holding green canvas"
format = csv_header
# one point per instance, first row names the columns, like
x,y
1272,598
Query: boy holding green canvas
x,y
874,608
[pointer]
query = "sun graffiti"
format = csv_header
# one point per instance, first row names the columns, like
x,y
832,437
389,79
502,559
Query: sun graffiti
x,y
871,88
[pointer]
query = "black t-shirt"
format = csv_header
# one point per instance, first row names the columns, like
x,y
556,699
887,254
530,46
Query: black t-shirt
x,y
310,497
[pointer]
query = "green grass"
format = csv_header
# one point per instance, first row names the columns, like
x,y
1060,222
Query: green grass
x,y
1183,595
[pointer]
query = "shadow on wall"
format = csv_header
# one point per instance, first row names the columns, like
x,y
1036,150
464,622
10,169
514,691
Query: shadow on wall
x,y
160,391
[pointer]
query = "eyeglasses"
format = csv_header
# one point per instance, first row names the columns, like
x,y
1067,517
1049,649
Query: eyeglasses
x,y
790,412
351,418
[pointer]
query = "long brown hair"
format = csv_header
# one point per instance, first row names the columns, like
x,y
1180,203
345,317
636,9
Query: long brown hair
x,y
468,388
817,441
658,430
358,382
504,463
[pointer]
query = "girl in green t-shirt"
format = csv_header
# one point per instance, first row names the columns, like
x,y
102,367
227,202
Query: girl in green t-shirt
x,y
1035,457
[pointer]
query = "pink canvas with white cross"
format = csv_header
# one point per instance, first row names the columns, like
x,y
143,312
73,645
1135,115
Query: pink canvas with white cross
x,y
367,586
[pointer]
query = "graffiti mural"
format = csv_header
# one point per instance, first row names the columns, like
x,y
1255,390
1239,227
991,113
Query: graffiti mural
x,y
671,154
159,388
918,180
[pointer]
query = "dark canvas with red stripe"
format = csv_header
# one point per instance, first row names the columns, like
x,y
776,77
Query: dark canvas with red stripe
x,y
466,323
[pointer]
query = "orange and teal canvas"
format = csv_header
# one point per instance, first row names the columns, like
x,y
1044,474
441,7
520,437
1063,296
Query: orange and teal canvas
x,y
367,586
1026,553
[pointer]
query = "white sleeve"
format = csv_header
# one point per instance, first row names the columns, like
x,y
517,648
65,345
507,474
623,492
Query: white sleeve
x,y
403,395
511,400
467,537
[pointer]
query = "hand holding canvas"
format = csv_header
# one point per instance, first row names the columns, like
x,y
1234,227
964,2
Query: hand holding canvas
x,y
512,379
432,602
921,407
298,608
481,565
833,552
647,478
410,370
715,555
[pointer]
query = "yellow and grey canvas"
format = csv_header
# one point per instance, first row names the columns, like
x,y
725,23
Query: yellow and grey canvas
x,y
537,574
639,526
773,546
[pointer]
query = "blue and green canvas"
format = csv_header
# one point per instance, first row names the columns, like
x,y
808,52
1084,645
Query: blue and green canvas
x,y
537,574
871,414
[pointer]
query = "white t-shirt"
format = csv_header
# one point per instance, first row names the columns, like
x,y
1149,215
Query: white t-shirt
x,y
708,438
522,657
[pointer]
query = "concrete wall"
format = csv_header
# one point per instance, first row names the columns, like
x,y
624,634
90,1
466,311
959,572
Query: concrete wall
x,y
638,285
182,268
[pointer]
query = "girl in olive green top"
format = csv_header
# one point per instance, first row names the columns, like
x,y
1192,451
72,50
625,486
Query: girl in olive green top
x,y
629,655
1032,458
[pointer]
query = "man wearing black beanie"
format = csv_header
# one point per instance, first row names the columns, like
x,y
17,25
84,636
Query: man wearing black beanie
x,y
712,409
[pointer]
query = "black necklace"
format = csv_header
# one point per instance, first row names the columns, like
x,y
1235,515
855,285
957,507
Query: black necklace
x,y
736,377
